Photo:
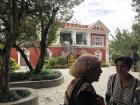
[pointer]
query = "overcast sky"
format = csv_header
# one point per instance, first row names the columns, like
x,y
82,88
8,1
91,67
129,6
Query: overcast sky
x,y
113,13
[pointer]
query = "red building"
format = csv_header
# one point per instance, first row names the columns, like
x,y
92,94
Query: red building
x,y
74,38
79,39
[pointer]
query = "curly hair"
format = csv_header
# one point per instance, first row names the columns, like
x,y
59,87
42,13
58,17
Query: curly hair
x,y
83,64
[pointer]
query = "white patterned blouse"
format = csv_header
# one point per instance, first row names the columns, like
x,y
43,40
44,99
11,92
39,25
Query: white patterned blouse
x,y
119,95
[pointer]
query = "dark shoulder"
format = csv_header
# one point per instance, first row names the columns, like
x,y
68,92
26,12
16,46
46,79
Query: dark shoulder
x,y
87,90
87,87
86,95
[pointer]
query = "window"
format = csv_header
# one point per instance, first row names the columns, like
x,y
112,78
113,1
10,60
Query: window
x,y
65,37
97,27
80,39
98,41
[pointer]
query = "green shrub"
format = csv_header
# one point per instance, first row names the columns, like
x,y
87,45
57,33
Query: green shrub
x,y
62,60
59,62
19,76
45,75
52,61
13,64
46,66
60,66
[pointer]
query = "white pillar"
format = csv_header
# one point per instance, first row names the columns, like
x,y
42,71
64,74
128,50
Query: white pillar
x,y
74,37
107,54
107,49
57,42
88,39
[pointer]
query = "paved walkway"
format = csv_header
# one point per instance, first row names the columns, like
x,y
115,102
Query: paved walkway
x,y
55,95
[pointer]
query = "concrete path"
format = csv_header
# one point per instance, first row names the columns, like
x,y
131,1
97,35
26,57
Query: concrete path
x,y
55,95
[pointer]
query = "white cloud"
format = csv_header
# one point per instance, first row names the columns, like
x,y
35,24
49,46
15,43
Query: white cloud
x,y
113,13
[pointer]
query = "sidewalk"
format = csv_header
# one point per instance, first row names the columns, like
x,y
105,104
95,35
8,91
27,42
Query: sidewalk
x,y
55,95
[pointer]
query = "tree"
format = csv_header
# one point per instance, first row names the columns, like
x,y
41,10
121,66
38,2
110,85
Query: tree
x,y
121,43
136,7
47,14
135,32
136,25
50,12
11,14
13,17
28,37
126,43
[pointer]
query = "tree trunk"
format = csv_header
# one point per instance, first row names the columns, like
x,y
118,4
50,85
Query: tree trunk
x,y
41,59
24,56
43,45
10,39
4,71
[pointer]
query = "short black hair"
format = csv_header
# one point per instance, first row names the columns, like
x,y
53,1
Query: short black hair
x,y
126,59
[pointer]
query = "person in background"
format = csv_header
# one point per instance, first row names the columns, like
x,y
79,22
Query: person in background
x,y
80,91
122,85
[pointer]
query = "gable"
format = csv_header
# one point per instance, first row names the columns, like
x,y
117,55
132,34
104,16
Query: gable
x,y
98,26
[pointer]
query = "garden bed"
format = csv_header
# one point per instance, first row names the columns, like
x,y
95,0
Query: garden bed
x,y
47,78
38,84
30,99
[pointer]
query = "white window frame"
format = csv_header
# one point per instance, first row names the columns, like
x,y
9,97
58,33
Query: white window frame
x,y
97,41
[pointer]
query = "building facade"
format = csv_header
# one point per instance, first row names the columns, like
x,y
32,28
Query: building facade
x,y
73,38
77,38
